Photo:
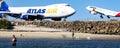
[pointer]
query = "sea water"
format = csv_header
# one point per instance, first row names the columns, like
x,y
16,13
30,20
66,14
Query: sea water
x,y
58,43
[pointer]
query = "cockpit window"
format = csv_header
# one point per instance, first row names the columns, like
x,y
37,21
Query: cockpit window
x,y
67,5
92,7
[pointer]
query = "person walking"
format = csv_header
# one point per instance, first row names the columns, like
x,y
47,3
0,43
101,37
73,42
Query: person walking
x,y
73,34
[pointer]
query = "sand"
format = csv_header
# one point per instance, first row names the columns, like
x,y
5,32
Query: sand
x,y
43,32
4,34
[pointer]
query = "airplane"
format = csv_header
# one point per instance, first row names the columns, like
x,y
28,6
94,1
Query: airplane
x,y
96,10
54,11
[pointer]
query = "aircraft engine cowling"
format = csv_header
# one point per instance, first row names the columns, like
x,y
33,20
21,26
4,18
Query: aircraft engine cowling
x,y
25,17
93,12
3,16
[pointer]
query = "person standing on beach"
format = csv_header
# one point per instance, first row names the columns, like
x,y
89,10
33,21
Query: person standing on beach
x,y
14,40
73,34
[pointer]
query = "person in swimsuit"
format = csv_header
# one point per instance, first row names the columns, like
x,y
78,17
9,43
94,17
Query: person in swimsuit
x,y
14,40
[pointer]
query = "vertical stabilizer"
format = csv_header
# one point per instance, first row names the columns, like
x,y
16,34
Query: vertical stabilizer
x,y
3,6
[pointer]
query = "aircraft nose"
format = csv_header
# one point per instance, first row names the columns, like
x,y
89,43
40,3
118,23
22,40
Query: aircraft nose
x,y
90,8
68,11
72,11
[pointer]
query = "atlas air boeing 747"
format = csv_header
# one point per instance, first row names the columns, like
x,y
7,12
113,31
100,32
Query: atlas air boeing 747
x,y
55,11
96,10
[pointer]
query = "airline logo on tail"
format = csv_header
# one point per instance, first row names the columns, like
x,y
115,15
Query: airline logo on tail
x,y
42,11
3,6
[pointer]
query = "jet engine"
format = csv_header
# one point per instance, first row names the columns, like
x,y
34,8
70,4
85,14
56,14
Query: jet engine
x,y
3,16
93,12
24,17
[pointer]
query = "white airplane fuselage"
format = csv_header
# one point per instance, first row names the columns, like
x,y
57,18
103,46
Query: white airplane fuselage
x,y
51,11
96,10
54,11
48,11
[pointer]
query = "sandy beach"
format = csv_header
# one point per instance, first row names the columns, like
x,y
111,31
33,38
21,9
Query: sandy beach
x,y
57,35
43,32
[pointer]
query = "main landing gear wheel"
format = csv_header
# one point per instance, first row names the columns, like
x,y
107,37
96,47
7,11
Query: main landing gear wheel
x,y
56,19
108,17
101,16
65,18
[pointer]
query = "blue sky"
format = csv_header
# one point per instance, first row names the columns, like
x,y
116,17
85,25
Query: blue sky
x,y
78,5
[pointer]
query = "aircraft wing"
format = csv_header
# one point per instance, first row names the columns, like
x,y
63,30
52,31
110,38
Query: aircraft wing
x,y
12,14
23,15
7,12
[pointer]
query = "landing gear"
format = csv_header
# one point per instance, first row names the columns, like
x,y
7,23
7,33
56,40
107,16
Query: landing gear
x,y
56,19
108,17
40,19
101,16
65,18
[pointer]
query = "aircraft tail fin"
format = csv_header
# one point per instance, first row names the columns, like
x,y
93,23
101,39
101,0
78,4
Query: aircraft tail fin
x,y
3,6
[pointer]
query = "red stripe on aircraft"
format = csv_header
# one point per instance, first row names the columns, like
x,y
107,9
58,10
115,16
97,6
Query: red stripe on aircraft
x,y
118,15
